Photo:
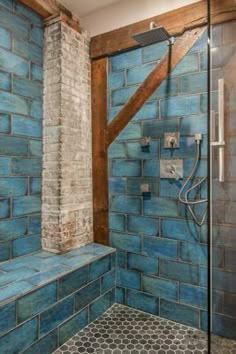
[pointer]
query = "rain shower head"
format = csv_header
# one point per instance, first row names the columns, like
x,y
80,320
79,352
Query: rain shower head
x,y
154,35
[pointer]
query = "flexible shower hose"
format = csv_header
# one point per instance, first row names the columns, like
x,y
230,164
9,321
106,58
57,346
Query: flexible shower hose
x,y
185,199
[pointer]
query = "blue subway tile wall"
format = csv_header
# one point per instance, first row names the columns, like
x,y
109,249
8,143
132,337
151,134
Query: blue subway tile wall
x,y
161,253
21,78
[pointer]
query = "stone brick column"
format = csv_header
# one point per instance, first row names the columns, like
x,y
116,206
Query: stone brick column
x,y
67,151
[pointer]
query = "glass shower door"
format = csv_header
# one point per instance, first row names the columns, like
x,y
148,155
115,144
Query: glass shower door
x,y
223,185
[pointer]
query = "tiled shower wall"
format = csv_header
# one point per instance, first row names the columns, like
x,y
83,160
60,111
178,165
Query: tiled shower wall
x,y
21,55
162,254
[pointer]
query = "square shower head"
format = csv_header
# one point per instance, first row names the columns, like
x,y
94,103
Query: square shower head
x,y
154,35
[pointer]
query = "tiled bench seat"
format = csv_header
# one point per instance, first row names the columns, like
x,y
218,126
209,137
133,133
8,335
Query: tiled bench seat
x,y
46,298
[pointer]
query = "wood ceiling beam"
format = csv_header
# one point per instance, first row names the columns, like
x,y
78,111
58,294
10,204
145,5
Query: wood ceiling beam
x,y
153,81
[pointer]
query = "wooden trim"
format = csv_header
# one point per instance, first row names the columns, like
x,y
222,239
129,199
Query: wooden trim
x,y
153,81
99,131
46,8
175,22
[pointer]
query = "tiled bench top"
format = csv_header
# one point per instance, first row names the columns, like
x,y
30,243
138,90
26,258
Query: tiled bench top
x,y
25,274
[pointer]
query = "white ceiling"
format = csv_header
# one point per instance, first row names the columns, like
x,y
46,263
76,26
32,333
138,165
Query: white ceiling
x,y
85,7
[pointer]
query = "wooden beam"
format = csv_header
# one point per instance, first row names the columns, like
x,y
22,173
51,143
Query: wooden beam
x,y
46,8
175,22
99,131
153,81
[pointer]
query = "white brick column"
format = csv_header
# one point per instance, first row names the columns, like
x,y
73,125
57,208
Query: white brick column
x,y
67,151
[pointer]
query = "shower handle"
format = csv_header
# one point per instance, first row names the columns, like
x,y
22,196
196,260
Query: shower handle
x,y
221,139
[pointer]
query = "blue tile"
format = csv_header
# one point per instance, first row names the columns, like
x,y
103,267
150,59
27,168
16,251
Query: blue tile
x,y
7,317
154,52
116,80
162,288
101,305
126,242
14,23
193,83
87,294
180,106
29,51
73,326
116,150
121,259
27,88
194,124
35,225
126,204
179,313
224,280
5,84
13,104
14,289
141,225
189,64
29,14
4,251
5,166
142,302
108,281
13,63
12,187
99,267
224,326
193,253
204,60
36,301
201,170
73,281
13,146
137,74
166,89
35,185
203,276
4,208
46,345
136,151
35,148
187,148
143,264
121,96
116,222
201,44
131,168
21,338
120,295
156,129
180,230
26,205
117,185
149,110
160,207
132,131
193,295
37,35
42,277
27,127
18,274
134,186
204,102
160,247
170,188
183,272
151,168
36,109
126,60
10,229
7,3
56,314
5,126
26,167
128,278
25,245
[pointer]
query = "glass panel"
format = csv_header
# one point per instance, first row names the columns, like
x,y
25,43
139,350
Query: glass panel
x,y
223,186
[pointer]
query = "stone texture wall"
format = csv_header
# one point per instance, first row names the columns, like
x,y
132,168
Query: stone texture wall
x,y
67,165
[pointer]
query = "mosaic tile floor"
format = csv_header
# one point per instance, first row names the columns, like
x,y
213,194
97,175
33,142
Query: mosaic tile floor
x,y
122,330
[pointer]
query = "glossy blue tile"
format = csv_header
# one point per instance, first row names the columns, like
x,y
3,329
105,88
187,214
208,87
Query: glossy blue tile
x,y
224,326
201,44
132,131
204,102
13,187
36,301
142,302
116,222
137,74
26,205
122,168
101,305
42,277
14,23
15,289
121,259
120,295
160,207
18,274
73,326
134,186
7,3
5,166
117,150
29,14
35,185
180,230
193,253
194,124
27,127
179,313
116,80
121,96
25,245
108,281
170,188
126,204
154,52
4,208
130,243
13,146
5,126
29,51
167,88
35,225
36,109
13,63
160,247
13,103
10,229
21,338
183,272
156,129
73,281
193,83
56,314
151,168
224,280
87,294
204,60
126,60
128,278
141,225
136,151
189,64
5,84
7,317
26,167
4,251
99,267
165,289
142,264
149,110
37,35
117,185
201,170
193,295
203,276
35,148
46,345
36,72
27,88
180,106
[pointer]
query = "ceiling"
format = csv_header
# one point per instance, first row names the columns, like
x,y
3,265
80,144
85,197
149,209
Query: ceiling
x,y
83,8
